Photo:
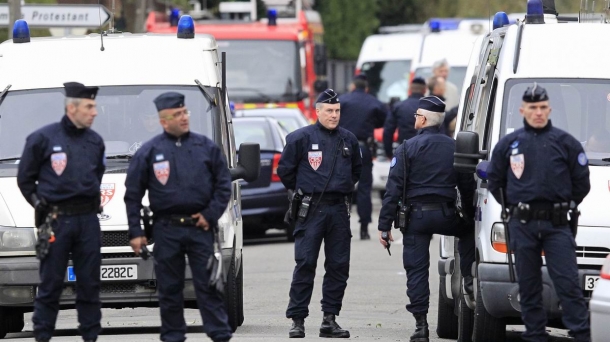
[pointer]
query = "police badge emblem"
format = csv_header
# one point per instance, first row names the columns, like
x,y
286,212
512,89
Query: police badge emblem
x,y
59,161
517,164
162,171
315,159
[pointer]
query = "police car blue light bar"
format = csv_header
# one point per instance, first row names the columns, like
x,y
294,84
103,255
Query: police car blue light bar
x,y
500,20
272,17
21,31
186,27
435,26
445,24
535,13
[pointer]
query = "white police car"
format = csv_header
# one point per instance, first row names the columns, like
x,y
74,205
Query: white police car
x,y
131,70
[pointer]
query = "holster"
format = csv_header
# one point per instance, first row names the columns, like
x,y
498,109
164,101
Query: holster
x,y
574,214
402,216
147,220
294,201
372,146
304,208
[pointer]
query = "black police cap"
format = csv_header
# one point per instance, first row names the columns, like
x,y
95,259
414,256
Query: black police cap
x,y
535,93
169,100
418,80
328,96
80,91
432,104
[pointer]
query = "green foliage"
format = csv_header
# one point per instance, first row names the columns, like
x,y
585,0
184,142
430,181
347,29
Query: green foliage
x,y
346,24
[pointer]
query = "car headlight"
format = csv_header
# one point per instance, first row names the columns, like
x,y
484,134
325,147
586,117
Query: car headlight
x,y
17,239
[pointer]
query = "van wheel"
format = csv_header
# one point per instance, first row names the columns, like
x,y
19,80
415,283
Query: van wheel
x,y
447,321
486,327
240,293
231,295
465,319
15,322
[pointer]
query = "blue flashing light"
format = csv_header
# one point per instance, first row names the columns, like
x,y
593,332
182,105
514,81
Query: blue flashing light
x,y
535,12
186,27
435,26
272,17
21,31
445,24
500,20
232,108
482,169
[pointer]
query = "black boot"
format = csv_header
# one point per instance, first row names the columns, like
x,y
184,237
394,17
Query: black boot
x,y
298,328
421,333
364,232
469,287
330,328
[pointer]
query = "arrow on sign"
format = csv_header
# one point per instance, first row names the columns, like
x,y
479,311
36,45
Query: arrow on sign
x,y
59,15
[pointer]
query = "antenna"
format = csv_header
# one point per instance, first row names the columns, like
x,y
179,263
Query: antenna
x,y
112,19
99,8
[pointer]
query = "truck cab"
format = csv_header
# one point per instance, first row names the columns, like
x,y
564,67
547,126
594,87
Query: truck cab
x,y
123,66
565,59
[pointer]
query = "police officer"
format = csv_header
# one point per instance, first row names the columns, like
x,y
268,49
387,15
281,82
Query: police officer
x,y
189,187
402,117
361,113
62,165
422,182
322,161
541,169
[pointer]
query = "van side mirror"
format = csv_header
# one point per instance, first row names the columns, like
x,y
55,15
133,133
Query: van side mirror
x,y
467,154
249,164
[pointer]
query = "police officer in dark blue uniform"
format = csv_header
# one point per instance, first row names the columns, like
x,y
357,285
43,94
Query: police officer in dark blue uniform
x,y
422,184
323,162
402,117
361,113
60,172
189,187
542,169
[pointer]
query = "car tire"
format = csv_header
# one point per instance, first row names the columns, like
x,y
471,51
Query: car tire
x,y
465,319
447,321
230,296
486,327
240,292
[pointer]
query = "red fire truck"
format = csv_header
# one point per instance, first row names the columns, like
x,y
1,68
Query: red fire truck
x,y
272,62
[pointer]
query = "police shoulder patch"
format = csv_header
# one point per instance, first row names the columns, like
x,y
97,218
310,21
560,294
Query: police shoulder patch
x,y
393,162
582,159
515,144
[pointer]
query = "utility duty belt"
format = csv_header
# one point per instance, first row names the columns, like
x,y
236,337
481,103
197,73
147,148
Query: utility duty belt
x,y
76,208
557,213
178,220
404,211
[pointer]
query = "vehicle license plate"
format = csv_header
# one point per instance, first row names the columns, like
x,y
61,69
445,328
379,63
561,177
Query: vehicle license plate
x,y
590,282
111,272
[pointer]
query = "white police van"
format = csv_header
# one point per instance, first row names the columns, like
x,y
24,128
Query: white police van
x,y
131,70
567,60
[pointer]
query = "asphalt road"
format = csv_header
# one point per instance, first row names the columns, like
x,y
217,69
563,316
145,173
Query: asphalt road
x,y
373,307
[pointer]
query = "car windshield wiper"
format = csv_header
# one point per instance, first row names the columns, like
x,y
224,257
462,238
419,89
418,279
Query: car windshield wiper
x,y
9,159
264,96
605,159
127,156
211,98
4,92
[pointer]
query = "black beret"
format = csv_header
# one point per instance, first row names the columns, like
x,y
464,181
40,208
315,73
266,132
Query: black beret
x,y
169,100
535,94
328,96
79,91
432,103
418,80
360,77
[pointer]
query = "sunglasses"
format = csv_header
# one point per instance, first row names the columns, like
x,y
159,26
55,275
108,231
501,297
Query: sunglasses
x,y
416,115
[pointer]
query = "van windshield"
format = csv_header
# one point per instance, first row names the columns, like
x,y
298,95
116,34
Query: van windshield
x,y
456,75
127,116
580,107
388,79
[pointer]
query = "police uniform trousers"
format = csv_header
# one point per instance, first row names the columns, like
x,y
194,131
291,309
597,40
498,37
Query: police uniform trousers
x,y
172,243
79,235
328,223
364,204
425,220
528,241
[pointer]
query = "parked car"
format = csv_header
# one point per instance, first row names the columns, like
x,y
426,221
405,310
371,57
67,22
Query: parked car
x,y
600,304
264,202
290,118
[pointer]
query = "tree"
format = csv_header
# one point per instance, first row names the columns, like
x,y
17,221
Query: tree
x,y
346,24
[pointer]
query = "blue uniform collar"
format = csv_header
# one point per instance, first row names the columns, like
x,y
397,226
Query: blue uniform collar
x,y
356,90
416,95
429,130
537,130
173,137
324,129
70,127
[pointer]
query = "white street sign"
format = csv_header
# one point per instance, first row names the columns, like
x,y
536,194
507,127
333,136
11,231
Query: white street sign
x,y
59,15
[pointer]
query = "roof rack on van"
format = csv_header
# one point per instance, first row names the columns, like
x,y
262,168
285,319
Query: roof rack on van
x,y
401,28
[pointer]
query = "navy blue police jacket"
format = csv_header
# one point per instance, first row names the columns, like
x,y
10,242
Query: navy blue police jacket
x,y
544,165
402,116
307,160
181,180
361,113
430,176
62,164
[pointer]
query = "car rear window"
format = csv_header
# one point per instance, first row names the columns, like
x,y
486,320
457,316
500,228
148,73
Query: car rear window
x,y
253,131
